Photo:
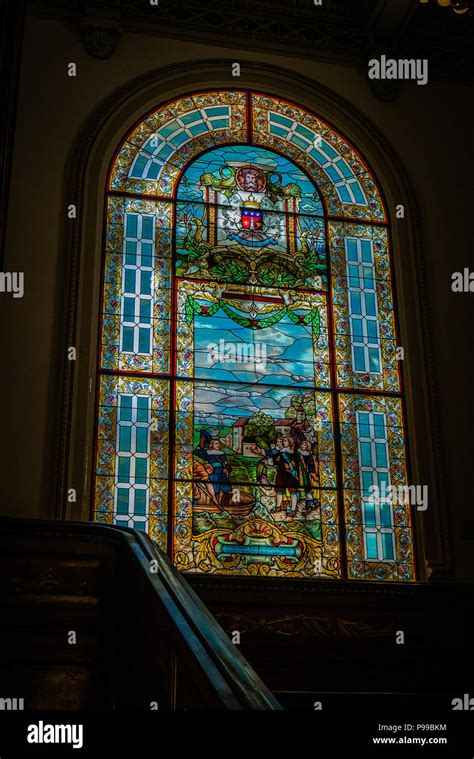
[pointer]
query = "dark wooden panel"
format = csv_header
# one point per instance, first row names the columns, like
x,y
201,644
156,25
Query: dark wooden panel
x,y
310,636
142,637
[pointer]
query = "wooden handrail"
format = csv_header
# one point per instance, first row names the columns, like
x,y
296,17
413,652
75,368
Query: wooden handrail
x,y
234,668
196,641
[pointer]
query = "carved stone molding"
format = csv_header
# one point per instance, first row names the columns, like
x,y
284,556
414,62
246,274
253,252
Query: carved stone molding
x,y
99,42
337,30
385,90
71,578
303,625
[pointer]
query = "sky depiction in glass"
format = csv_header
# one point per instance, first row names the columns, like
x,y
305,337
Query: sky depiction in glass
x,y
247,319
281,355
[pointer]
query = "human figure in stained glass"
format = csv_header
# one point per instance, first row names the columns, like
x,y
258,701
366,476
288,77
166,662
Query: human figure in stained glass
x,y
301,429
268,460
308,474
287,475
217,458
202,485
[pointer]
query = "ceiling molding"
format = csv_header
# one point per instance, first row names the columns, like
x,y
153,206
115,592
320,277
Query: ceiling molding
x,y
337,31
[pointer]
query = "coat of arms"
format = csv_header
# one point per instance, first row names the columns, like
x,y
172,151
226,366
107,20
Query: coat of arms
x,y
251,215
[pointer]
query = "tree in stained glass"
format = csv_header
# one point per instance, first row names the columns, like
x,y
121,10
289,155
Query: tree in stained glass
x,y
249,389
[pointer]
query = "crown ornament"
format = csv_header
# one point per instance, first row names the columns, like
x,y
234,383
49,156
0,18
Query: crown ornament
x,y
251,203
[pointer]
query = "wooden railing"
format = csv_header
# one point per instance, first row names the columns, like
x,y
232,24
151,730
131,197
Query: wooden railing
x,y
148,641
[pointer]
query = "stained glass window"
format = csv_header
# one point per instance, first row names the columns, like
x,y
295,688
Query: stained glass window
x,y
249,400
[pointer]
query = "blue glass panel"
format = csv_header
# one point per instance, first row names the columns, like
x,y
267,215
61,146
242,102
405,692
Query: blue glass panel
x,y
173,126
144,335
125,438
372,332
387,545
142,440
379,425
344,169
371,541
147,254
278,130
122,500
364,425
142,409
132,225
354,276
358,194
220,123
333,173
145,287
328,149
188,118
385,515
139,166
127,339
357,329
147,227
129,280
382,480
149,148
140,503
140,471
368,277
359,359
356,307
318,156
298,141
351,249
281,119
369,512
153,170
125,408
129,308
178,139
145,311
374,360
222,110
130,253
365,454
305,132
164,152
124,468
344,194
367,482
198,128
367,251
381,455
370,306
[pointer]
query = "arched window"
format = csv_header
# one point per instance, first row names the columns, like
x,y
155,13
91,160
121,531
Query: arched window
x,y
250,408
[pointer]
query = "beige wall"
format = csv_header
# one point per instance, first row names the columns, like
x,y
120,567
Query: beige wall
x,y
427,127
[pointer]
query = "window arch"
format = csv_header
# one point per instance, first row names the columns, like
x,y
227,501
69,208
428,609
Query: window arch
x,y
250,400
